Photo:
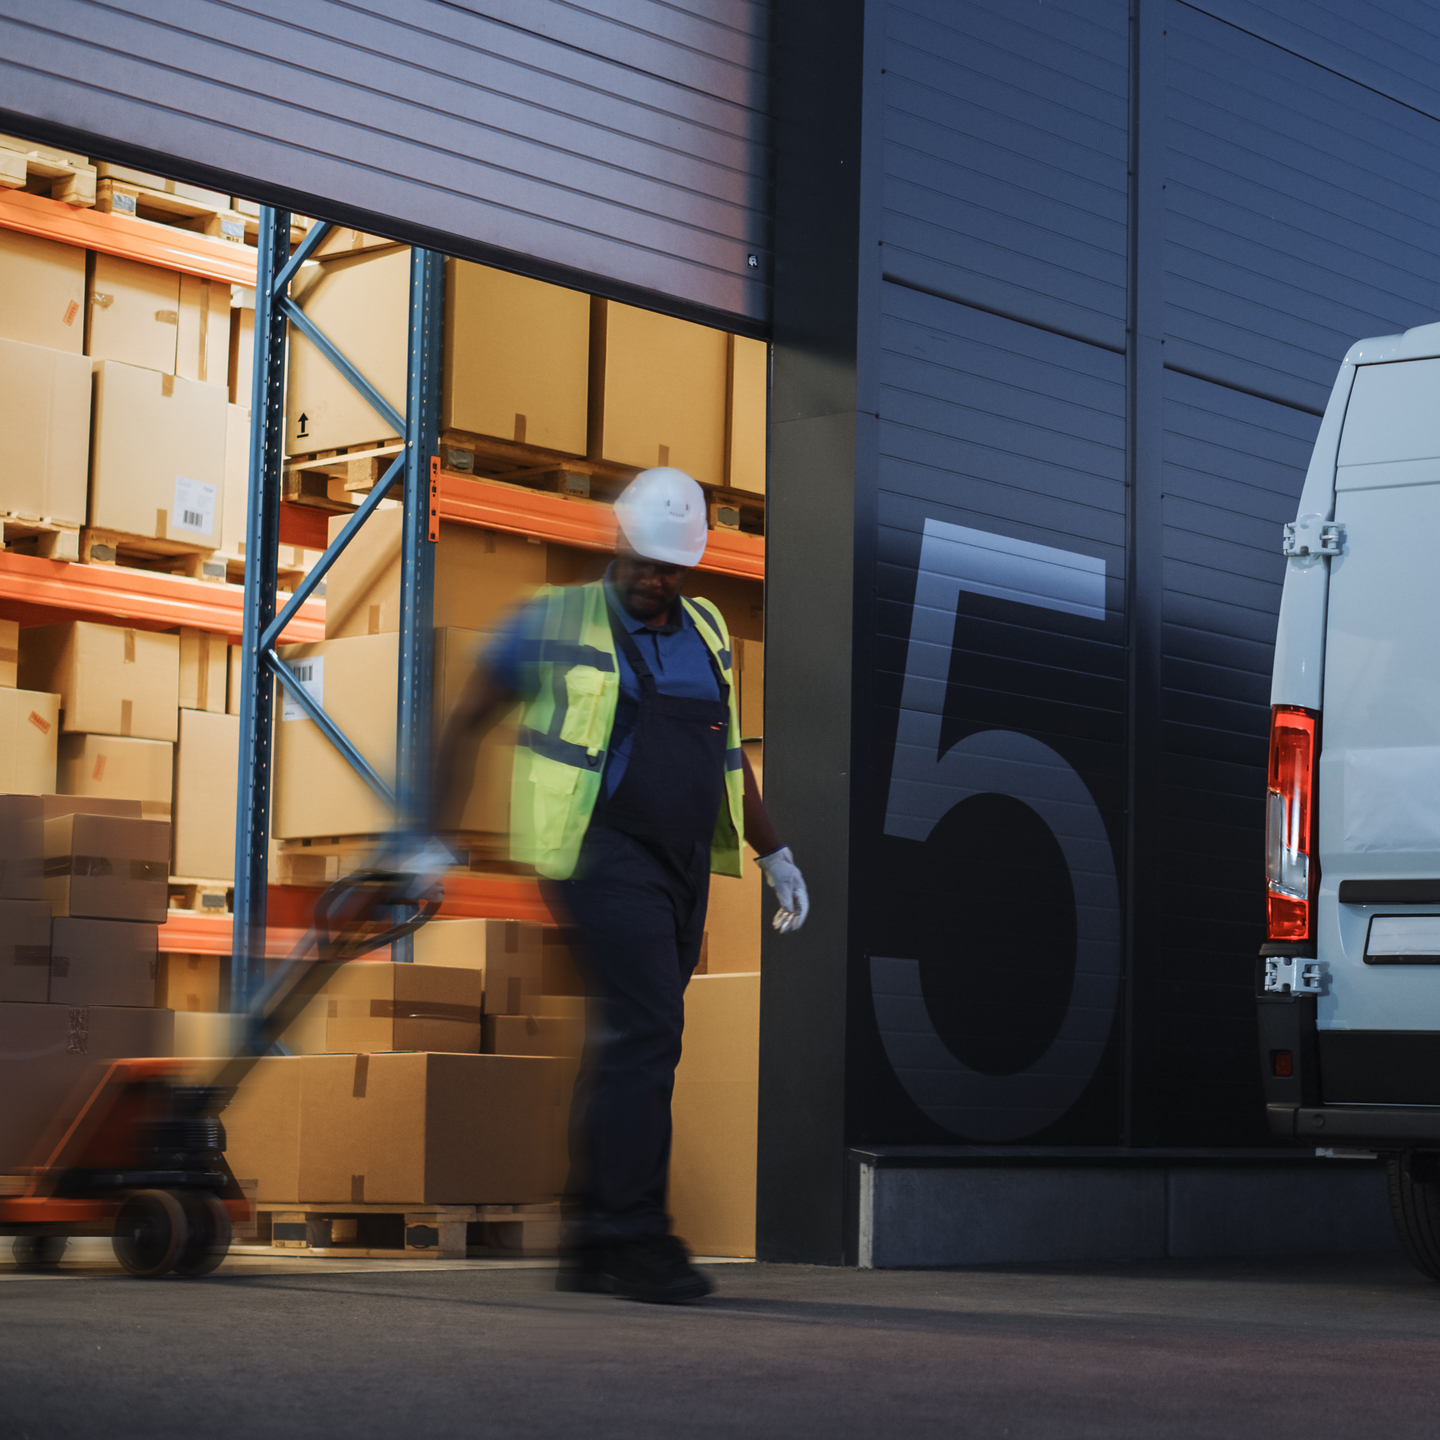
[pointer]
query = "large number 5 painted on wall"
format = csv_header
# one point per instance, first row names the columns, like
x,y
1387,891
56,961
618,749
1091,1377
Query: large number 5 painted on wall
x,y
925,784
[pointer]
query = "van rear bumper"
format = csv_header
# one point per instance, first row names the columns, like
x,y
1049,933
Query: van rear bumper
x,y
1401,1127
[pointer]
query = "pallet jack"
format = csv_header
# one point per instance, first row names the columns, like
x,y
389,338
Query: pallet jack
x,y
138,1153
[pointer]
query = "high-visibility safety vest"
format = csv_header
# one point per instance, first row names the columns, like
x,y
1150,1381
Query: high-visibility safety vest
x,y
572,682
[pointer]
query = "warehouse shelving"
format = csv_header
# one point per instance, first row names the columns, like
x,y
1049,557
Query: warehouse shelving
x,y
40,592
467,897
495,505
129,238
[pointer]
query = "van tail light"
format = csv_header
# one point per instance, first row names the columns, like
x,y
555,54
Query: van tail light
x,y
1290,823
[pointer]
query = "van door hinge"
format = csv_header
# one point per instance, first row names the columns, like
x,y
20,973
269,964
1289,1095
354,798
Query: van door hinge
x,y
1290,972
1309,535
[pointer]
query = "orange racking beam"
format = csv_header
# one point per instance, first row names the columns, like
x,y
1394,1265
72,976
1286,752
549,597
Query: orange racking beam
x,y
132,239
485,897
577,522
36,591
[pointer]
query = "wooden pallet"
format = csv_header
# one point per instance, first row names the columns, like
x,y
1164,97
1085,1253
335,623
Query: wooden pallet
x,y
140,552
408,1232
205,897
337,480
35,535
45,171
249,212
323,861
123,197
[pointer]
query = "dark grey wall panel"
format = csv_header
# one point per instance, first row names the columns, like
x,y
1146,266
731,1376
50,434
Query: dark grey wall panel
x,y
1303,213
1389,46
1233,468
1019,434
627,139
1005,159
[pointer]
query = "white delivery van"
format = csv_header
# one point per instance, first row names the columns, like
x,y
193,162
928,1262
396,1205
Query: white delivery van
x,y
1349,979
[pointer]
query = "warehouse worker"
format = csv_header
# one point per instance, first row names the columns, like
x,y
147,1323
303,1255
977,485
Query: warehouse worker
x,y
630,786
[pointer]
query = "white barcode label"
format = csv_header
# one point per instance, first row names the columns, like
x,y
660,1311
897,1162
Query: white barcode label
x,y
311,675
194,508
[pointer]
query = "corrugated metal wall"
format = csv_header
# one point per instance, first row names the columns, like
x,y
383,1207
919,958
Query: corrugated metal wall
x,y
1298,214
627,140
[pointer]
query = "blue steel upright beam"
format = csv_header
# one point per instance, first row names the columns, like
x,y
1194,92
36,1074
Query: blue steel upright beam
x,y
419,531
262,556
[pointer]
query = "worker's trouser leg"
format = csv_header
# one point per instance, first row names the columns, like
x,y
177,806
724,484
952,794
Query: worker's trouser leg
x,y
641,912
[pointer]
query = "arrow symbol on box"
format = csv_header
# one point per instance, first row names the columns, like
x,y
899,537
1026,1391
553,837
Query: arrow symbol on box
x,y
304,421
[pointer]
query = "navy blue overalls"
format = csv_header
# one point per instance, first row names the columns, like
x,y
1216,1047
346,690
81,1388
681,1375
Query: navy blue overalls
x,y
638,896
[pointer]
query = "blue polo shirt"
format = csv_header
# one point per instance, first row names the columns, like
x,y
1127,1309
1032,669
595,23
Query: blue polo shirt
x,y
675,652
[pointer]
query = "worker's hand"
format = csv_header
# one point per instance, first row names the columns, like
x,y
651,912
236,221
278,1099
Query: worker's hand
x,y
785,879
424,858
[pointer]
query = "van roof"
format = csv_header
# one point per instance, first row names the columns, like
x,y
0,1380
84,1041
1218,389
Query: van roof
x,y
1421,343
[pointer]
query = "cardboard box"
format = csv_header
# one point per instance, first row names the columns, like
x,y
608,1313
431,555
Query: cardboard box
x,y
342,241
749,672
203,341
714,1112
24,951
207,769
559,1036
45,417
242,355
427,1128
516,358
480,577
232,684
316,791
112,767
158,464
560,972
189,983
204,661
262,1122
29,729
43,283
509,952
362,303
46,1056
749,391
234,524
102,962
22,835
383,1006
104,867
657,391
9,654
123,173
111,680
134,313
480,800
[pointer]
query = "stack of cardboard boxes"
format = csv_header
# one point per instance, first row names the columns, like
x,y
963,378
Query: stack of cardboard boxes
x,y
82,891
115,397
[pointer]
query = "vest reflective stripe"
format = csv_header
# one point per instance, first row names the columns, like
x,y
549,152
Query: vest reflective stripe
x,y
572,678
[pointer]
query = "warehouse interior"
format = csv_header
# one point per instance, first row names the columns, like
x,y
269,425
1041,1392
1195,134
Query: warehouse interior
x,y
419,1105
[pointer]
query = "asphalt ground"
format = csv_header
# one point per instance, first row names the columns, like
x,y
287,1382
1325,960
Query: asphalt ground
x,y
1315,1347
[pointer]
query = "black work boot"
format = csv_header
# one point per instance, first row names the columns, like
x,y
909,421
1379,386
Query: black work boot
x,y
580,1270
655,1269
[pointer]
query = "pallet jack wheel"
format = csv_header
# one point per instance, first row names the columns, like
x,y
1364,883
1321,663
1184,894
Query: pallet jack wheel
x,y
36,1251
208,1241
150,1232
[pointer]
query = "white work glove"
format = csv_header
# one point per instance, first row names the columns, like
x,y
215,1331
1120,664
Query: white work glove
x,y
785,879
425,858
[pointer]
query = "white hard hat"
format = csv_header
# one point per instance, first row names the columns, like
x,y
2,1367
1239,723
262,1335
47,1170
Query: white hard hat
x,y
662,514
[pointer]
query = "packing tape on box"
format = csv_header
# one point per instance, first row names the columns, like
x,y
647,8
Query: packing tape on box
x,y
32,955
100,865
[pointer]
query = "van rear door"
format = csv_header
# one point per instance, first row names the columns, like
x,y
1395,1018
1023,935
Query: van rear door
x,y
1379,780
